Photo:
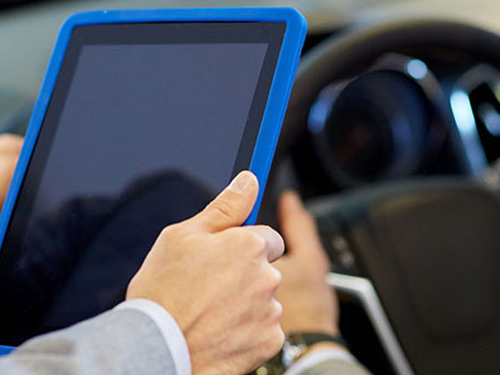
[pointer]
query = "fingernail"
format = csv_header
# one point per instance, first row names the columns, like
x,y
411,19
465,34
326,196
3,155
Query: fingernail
x,y
242,182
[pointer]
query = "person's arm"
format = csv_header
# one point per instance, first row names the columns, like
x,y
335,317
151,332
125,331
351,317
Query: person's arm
x,y
309,304
114,343
214,279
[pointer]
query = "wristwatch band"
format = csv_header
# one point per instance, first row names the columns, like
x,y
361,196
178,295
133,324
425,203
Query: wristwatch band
x,y
297,343
311,338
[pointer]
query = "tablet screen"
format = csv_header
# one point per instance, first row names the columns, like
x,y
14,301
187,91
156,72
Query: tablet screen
x,y
147,123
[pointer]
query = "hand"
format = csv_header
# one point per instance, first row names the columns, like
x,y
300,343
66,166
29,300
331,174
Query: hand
x,y
10,148
215,279
309,304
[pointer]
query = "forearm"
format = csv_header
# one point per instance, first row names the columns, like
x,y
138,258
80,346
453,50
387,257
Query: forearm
x,y
115,343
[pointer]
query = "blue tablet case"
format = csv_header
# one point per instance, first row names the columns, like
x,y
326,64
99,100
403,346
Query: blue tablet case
x,y
296,28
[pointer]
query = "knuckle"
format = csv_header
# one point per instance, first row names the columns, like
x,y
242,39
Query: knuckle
x,y
277,340
275,277
223,209
258,242
253,242
277,310
270,280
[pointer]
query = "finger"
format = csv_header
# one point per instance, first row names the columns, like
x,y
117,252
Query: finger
x,y
232,207
274,244
266,240
7,167
299,229
10,144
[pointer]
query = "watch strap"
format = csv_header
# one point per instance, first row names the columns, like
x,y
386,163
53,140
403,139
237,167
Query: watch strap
x,y
311,338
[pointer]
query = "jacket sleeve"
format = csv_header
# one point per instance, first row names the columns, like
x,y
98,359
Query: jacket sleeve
x,y
336,367
331,361
115,343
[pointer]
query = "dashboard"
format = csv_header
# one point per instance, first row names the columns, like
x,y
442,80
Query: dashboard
x,y
389,136
422,110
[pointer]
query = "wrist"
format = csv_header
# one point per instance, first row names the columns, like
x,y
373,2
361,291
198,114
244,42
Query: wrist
x,y
299,345
312,327
302,319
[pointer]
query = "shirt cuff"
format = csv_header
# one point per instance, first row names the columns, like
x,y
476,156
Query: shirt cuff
x,y
169,329
319,356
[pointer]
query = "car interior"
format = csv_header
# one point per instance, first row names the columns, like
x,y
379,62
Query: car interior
x,y
391,137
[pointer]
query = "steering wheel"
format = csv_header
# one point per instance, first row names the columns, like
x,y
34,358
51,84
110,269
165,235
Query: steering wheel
x,y
422,257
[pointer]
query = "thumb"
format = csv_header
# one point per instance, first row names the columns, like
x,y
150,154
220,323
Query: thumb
x,y
231,207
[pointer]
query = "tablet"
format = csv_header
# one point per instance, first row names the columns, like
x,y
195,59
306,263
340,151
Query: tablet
x,y
144,116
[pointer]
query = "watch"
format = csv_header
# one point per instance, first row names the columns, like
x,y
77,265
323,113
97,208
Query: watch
x,y
296,344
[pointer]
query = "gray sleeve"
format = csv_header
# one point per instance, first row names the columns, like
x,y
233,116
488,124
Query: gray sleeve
x,y
337,367
115,343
